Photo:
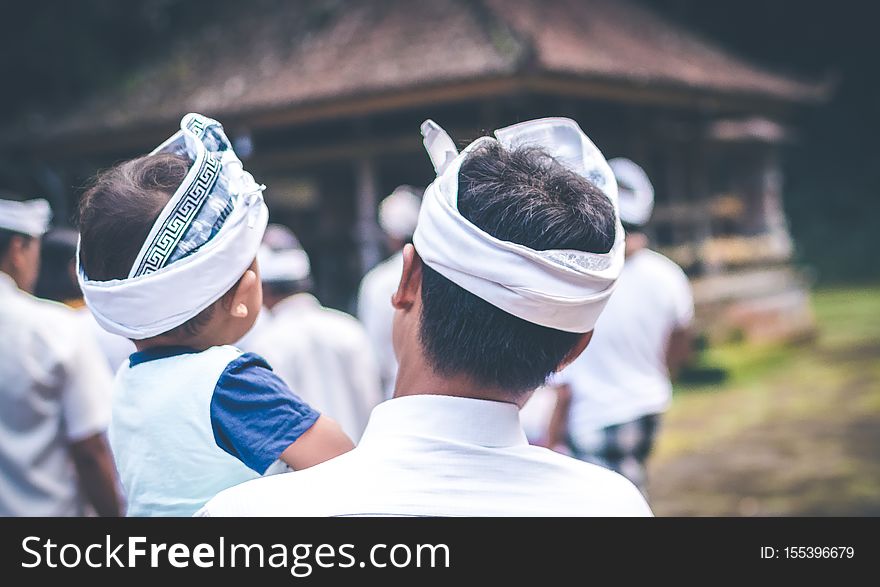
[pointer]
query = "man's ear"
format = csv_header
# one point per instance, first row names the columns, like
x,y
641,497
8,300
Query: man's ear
x,y
410,280
576,350
241,293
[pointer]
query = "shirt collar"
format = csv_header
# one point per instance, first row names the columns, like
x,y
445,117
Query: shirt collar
x,y
7,284
442,417
159,352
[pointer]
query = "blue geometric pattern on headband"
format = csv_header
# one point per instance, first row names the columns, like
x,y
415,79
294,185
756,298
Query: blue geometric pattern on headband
x,y
201,211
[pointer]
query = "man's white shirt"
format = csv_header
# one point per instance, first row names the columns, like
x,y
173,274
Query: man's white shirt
x,y
375,312
431,455
55,390
324,356
116,349
622,374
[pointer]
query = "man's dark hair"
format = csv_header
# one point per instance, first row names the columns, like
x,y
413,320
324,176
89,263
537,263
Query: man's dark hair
x,y
526,197
117,213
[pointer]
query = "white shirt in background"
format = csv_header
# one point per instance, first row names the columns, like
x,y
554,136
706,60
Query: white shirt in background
x,y
622,374
375,312
264,319
116,349
54,391
431,455
536,414
324,356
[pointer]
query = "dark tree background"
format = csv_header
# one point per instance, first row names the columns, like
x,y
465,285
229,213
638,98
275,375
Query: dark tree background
x,y
53,52
833,173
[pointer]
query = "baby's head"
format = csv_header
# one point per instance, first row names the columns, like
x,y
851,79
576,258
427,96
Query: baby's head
x,y
116,216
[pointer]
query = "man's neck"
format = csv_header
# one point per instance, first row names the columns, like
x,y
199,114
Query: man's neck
x,y
416,377
635,242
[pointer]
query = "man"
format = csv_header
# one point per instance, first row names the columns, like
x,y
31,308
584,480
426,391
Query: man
x,y
398,215
516,252
612,397
54,386
321,353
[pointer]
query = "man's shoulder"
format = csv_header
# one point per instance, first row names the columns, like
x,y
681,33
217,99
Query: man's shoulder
x,y
658,263
326,325
260,497
46,308
384,272
597,487
297,493
53,319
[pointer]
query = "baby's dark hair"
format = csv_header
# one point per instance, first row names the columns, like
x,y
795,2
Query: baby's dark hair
x,y
117,212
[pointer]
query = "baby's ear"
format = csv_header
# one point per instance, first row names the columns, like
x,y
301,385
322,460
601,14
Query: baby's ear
x,y
242,292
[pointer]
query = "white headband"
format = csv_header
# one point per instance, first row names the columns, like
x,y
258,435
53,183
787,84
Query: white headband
x,y
283,265
30,217
561,289
635,191
204,239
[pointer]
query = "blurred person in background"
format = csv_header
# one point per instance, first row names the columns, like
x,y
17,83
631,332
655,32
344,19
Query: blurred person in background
x,y
323,354
611,398
398,216
57,282
54,388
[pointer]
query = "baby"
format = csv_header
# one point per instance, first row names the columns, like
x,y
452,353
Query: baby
x,y
167,258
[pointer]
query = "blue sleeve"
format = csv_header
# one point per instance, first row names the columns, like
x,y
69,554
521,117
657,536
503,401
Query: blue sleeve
x,y
254,415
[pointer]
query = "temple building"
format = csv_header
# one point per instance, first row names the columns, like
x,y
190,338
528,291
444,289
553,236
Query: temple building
x,y
324,99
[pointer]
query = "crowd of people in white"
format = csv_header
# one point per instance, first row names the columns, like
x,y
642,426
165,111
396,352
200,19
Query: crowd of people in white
x,y
511,357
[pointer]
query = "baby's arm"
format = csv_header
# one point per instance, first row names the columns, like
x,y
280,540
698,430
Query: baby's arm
x,y
323,441
257,419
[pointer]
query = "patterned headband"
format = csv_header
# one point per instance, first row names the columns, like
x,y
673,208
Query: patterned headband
x,y
204,199
201,244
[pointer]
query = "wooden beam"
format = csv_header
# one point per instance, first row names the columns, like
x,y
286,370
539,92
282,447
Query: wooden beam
x,y
144,134
348,151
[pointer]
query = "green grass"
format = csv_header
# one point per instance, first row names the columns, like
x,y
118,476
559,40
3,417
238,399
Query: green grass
x,y
847,318
793,429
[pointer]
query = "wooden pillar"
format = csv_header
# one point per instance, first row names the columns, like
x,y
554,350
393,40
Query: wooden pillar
x,y
702,229
368,234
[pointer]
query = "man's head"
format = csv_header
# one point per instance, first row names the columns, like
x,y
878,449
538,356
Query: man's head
x,y
284,265
116,215
399,214
519,195
22,224
20,258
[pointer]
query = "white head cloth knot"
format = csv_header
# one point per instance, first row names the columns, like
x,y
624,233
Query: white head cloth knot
x,y
203,241
399,212
561,289
635,191
30,217
281,257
